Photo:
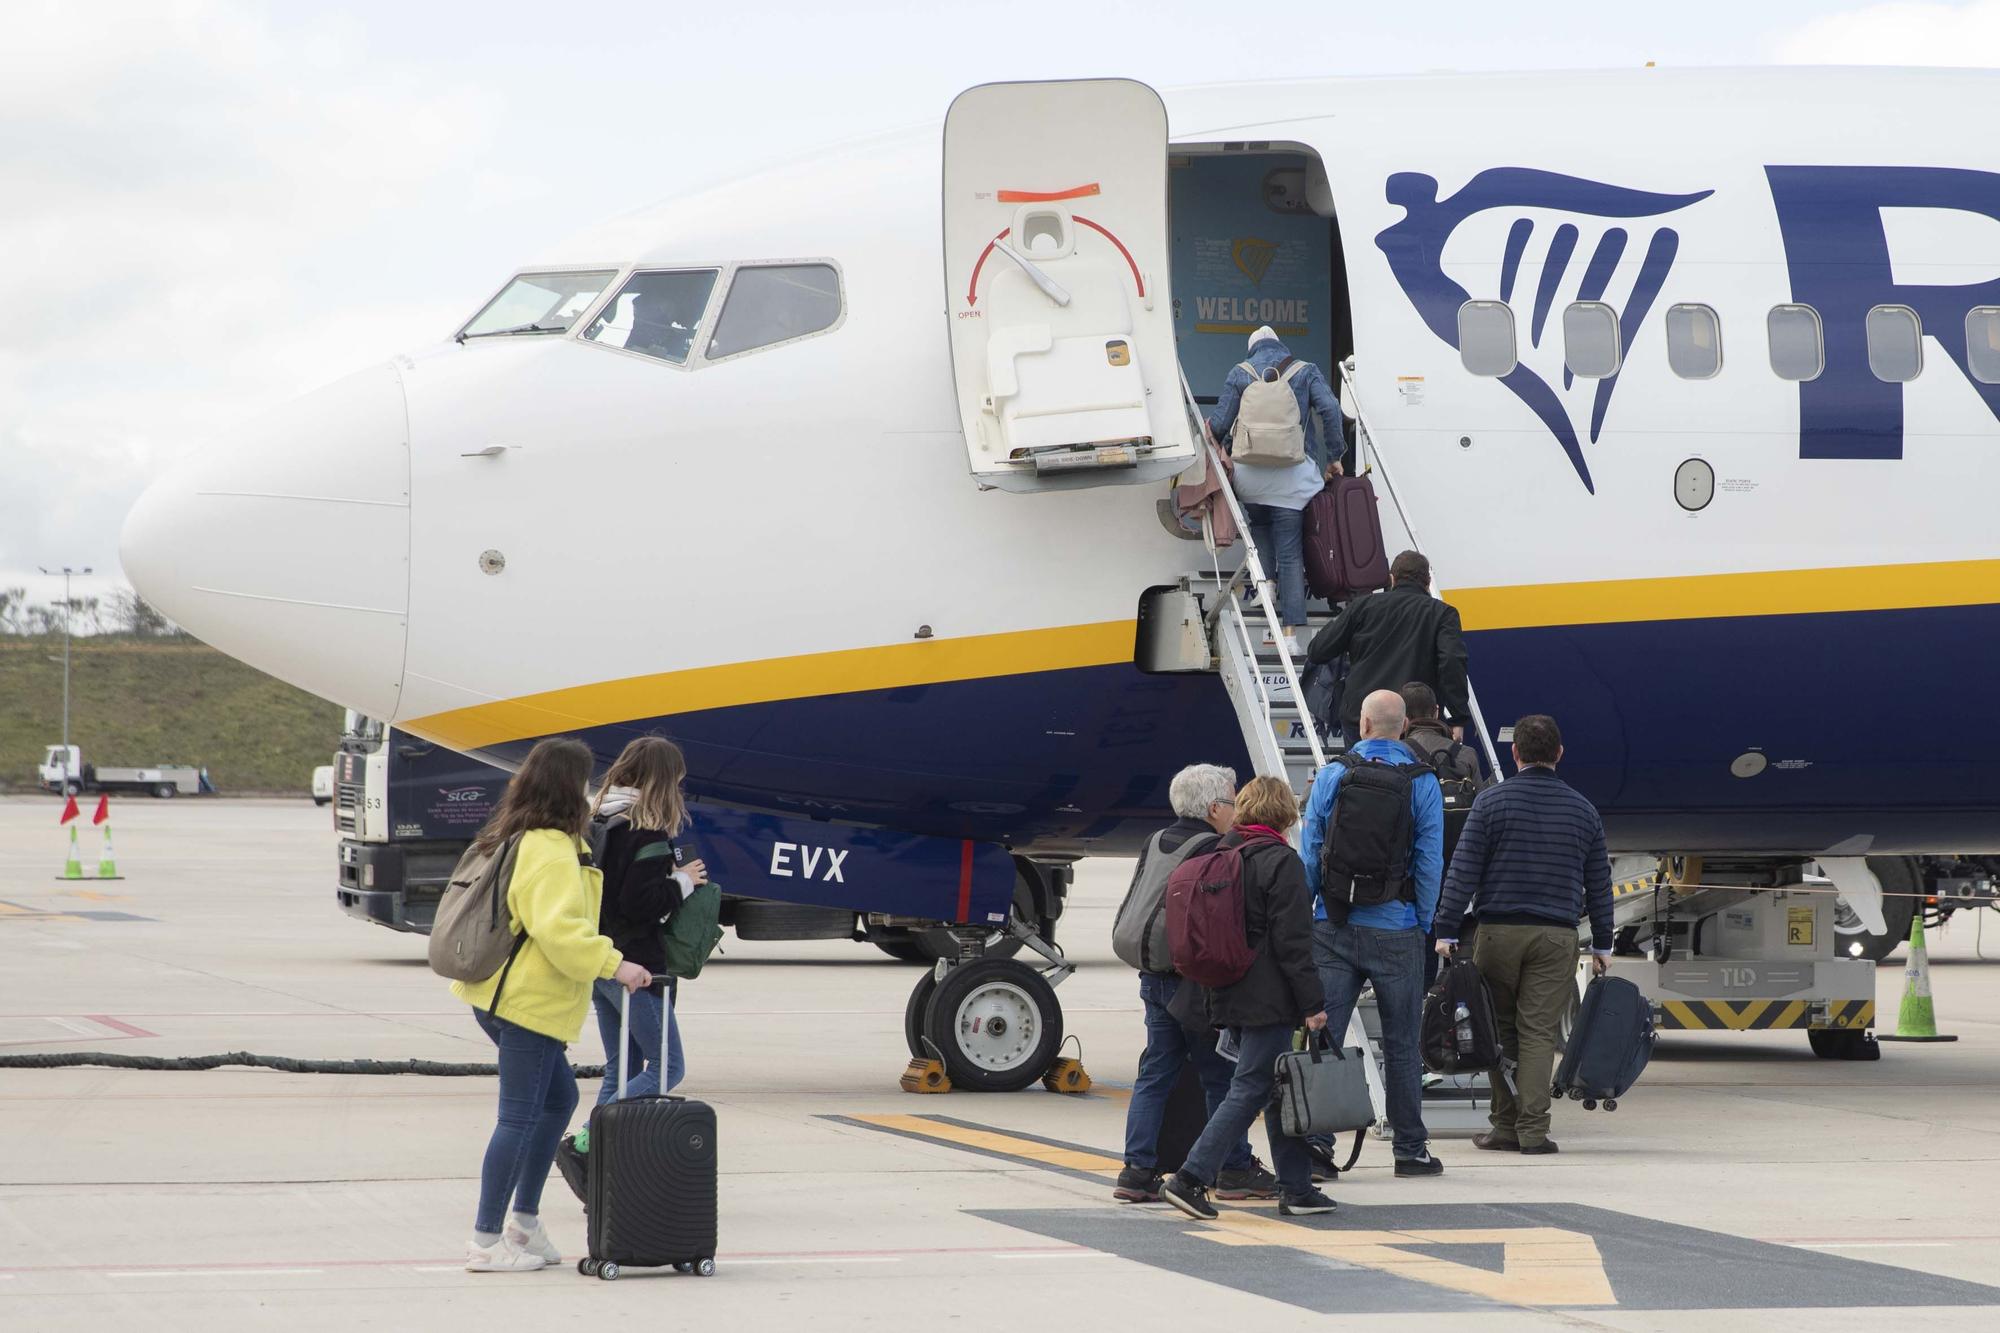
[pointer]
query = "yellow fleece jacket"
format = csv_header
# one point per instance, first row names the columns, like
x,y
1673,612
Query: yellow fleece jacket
x,y
554,899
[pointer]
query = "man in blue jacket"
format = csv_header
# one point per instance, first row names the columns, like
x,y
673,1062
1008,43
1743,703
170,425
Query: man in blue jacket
x,y
1381,942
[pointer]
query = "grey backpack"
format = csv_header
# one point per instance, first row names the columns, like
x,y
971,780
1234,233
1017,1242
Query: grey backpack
x,y
1139,931
471,938
1269,431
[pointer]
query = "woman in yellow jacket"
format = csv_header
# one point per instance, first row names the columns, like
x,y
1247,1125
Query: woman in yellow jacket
x,y
535,1004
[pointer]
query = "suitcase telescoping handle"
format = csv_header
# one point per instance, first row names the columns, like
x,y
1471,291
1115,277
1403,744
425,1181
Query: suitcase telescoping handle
x,y
625,1034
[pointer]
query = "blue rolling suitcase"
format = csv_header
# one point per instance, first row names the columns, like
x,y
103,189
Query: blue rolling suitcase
x,y
650,1195
1609,1044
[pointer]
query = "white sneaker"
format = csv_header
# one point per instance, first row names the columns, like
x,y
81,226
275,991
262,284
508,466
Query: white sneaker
x,y
502,1256
533,1239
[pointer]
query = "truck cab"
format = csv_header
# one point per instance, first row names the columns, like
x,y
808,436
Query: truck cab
x,y
405,809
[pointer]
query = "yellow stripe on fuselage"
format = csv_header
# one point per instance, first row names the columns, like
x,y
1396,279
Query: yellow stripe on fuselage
x,y
892,666
1784,592
1107,643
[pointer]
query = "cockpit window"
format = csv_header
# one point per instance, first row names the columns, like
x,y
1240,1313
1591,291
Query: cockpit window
x,y
538,303
656,314
774,303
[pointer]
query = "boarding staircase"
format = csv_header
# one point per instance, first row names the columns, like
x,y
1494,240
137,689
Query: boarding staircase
x,y
1262,678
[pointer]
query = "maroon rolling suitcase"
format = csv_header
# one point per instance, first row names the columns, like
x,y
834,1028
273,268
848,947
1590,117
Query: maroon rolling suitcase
x,y
1343,540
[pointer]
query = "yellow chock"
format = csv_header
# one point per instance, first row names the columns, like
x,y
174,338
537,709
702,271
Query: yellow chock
x,y
1066,1075
925,1076
1916,1021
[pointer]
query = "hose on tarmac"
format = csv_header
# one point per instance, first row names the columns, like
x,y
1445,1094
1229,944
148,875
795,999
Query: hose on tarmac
x,y
283,1063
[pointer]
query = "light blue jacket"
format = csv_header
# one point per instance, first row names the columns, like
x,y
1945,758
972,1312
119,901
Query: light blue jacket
x,y
1426,858
1317,404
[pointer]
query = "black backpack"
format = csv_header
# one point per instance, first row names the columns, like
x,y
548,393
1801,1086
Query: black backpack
x,y
1454,1042
1366,857
1459,793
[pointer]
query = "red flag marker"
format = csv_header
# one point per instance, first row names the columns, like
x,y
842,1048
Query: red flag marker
x,y
103,810
69,811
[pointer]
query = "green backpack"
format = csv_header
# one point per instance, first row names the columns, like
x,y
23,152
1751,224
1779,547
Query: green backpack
x,y
694,931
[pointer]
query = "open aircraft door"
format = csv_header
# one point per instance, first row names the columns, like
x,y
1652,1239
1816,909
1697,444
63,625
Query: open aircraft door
x,y
1055,264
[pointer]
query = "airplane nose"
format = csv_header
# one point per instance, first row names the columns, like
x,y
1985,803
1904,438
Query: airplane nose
x,y
287,544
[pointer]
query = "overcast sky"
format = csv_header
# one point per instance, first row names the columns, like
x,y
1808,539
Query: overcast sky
x,y
208,207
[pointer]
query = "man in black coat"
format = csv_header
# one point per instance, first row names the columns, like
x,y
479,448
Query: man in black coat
x,y
1277,994
1395,637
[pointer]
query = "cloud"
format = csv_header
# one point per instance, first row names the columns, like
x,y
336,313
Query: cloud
x,y
1904,33
177,170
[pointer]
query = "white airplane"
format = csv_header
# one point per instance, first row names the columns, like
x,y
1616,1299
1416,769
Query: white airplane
x,y
848,476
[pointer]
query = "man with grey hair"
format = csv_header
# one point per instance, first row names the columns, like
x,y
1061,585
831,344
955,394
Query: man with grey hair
x,y
1373,843
1204,798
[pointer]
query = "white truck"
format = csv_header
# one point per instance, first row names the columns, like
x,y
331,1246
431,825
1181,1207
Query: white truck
x,y
64,771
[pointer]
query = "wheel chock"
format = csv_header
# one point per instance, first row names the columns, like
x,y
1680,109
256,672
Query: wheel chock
x,y
926,1076
1066,1075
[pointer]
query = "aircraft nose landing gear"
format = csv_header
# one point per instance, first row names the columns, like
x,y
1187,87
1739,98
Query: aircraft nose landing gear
x,y
993,1023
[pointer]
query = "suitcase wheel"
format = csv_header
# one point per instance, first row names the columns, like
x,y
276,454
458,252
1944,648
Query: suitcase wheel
x,y
704,1268
684,1266
1590,1103
587,1267
1610,1103
608,1272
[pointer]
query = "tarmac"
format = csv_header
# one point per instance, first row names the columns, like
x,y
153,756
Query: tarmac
x,y
1742,1185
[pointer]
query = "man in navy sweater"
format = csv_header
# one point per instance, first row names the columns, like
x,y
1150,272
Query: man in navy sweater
x,y
1530,863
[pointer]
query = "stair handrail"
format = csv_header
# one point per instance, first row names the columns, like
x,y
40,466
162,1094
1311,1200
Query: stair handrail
x,y
1364,436
1255,564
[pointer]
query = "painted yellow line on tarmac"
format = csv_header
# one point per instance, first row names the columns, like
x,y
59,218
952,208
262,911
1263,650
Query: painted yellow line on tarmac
x,y
993,1141
1542,1266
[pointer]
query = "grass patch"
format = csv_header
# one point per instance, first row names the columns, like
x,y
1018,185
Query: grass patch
x,y
140,702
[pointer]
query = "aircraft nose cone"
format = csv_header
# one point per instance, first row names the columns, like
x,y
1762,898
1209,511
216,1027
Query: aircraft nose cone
x,y
287,544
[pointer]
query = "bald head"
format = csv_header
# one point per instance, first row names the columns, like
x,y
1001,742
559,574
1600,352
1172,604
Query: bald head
x,y
1382,716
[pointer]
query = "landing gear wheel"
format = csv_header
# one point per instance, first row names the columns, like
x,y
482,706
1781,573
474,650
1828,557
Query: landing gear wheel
x,y
997,1023
704,1268
1843,1043
1900,880
587,1267
915,1013
608,1272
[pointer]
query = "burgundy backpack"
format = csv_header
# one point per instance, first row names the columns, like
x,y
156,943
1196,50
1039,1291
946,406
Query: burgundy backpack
x,y
1206,933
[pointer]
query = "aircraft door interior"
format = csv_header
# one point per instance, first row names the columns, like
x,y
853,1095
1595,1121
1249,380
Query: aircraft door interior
x,y
1056,273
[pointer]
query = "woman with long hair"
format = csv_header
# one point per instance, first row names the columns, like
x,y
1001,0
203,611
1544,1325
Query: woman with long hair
x,y
640,809
534,1005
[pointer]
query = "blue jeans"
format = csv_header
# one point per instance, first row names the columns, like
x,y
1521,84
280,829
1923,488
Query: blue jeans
x,y
537,1094
1249,1096
1394,961
1168,1047
1280,537
642,1052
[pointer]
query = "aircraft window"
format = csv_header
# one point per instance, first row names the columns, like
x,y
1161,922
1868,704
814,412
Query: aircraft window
x,y
1694,341
1590,339
1982,343
1797,350
1895,343
1486,337
774,303
655,314
538,303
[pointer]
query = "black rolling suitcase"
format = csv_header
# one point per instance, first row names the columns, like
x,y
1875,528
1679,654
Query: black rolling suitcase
x,y
651,1195
1609,1044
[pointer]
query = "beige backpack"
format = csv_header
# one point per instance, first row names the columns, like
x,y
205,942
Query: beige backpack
x,y
1268,430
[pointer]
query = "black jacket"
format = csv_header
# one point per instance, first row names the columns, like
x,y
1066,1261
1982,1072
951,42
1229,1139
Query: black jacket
x,y
1282,985
1391,639
638,894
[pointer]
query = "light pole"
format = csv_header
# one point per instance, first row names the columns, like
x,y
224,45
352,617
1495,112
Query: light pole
x,y
68,610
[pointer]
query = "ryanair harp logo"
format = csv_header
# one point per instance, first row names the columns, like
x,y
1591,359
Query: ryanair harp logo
x,y
1254,258
1578,257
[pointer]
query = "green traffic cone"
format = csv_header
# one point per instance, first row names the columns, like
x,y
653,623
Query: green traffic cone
x,y
1916,1021
73,868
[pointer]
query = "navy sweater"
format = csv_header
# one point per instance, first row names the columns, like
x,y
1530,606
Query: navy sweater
x,y
1532,850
